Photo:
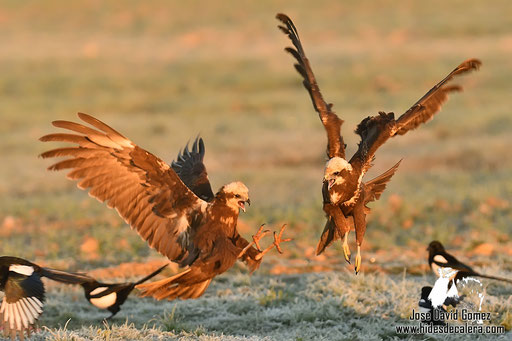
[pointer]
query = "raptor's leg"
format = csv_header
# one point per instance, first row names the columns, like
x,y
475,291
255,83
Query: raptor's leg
x,y
255,240
278,239
360,227
341,224
346,249
343,227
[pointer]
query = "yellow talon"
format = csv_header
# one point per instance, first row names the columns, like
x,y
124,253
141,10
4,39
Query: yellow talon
x,y
346,249
358,259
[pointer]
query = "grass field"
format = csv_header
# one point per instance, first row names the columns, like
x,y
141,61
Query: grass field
x,y
161,72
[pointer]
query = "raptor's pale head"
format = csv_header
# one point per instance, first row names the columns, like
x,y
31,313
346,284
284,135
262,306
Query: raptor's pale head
x,y
336,170
236,195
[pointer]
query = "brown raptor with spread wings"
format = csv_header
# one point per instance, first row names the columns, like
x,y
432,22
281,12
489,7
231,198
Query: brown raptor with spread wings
x,y
345,195
200,234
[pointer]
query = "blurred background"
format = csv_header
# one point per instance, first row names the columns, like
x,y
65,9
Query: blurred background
x,y
162,72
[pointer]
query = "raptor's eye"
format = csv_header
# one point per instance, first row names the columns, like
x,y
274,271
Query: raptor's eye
x,y
336,173
237,196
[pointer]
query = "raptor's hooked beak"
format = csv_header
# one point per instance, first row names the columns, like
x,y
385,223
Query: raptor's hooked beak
x,y
241,204
330,183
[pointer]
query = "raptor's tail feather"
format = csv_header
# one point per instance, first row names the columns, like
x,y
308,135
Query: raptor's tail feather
x,y
328,236
171,288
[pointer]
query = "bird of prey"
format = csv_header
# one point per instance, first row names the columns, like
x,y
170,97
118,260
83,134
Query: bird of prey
x,y
112,296
345,194
150,196
438,258
20,280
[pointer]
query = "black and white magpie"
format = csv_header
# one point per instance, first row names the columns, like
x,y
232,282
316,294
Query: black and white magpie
x,y
20,280
438,258
112,296
427,309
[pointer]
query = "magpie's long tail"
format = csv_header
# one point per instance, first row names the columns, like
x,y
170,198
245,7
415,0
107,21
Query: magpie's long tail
x,y
153,274
66,277
496,278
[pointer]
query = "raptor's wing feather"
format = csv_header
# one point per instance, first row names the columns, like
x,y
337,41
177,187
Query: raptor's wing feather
x,y
332,123
430,104
376,130
144,190
374,188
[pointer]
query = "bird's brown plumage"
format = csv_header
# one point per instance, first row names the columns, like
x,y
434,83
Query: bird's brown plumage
x,y
345,194
152,199
372,189
376,130
332,123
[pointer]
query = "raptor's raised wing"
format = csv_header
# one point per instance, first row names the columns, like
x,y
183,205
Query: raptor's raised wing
x,y
144,190
430,104
376,130
190,168
332,123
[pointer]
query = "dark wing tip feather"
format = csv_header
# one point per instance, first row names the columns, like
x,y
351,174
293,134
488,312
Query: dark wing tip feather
x,y
283,29
201,148
283,17
470,64
291,31
288,22
194,145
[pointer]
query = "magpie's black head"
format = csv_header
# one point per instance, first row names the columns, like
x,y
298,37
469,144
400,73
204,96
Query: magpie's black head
x,y
435,247
425,291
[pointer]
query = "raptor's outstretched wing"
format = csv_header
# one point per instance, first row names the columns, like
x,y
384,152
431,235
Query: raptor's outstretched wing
x,y
331,122
190,168
143,189
376,130
430,104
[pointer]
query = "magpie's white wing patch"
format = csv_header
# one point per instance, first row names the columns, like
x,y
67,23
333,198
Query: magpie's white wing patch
x,y
435,267
22,269
440,259
98,290
105,301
